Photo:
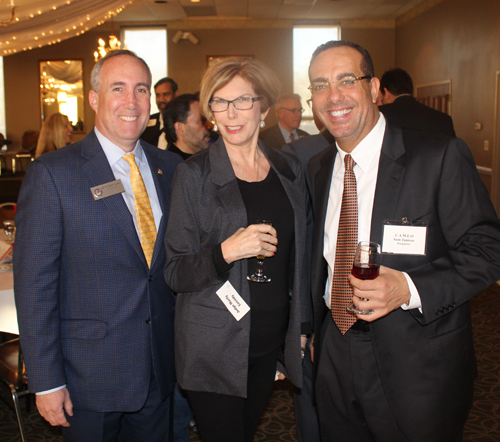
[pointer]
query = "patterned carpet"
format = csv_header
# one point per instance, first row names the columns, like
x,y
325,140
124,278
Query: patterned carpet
x,y
277,423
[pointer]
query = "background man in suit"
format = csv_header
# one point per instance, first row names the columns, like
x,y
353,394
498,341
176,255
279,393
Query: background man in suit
x,y
289,111
94,311
404,371
185,127
166,90
401,108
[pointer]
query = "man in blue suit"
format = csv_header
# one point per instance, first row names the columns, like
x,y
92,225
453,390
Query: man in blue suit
x,y
95,314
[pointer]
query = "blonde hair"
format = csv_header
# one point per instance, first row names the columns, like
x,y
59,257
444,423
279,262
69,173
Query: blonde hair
x,y
264,81
52,134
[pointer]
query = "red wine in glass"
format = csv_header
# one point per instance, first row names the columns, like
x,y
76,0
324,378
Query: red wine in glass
x,y
365,271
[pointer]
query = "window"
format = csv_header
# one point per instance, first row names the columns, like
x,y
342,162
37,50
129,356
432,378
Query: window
x,y
305,40
151,45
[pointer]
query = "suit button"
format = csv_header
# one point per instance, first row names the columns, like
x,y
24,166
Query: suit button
x,y
148,321
150,278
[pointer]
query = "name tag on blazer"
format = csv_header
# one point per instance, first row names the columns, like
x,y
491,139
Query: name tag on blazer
x,y
405,238
107,189
152,122
233,301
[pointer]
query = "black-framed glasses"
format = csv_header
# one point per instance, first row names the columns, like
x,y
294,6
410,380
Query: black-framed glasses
x,y
295,110
310,102
240,103
322,87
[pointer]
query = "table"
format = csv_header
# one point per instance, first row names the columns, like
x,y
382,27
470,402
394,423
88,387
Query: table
x,y
8,313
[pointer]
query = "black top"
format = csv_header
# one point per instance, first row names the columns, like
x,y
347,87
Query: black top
x,y
269,301
174,149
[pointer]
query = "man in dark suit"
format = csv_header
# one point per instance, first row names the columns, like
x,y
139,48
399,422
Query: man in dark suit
x,y
95,314
166,90
401,108
402,368
289,111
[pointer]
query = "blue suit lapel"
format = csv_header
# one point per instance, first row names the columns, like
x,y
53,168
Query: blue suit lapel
x,y
391,172
99,172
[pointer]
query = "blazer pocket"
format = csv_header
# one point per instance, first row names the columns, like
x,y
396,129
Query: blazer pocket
x,y
83,329
207,316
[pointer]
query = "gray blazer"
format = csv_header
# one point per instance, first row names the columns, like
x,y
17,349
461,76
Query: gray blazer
x,y
206,208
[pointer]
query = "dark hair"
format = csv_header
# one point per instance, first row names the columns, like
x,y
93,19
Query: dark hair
x,y
177,111
95,80
397,81
366,63
173,84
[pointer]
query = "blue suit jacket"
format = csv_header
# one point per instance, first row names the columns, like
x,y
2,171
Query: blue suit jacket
x,y
91,313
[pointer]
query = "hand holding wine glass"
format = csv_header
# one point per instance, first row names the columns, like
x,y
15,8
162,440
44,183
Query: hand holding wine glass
x,y
366,265
258,275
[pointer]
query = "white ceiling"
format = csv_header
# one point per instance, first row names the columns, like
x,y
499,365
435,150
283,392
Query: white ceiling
x,y
152,11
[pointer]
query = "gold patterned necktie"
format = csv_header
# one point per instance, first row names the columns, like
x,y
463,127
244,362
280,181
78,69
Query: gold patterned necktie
x,y
143,212
347,238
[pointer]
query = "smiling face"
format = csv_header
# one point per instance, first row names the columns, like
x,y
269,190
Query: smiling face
x,y
122,104
239,128
351,114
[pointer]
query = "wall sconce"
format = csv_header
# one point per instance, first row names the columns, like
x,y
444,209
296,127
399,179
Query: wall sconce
x,y
181,35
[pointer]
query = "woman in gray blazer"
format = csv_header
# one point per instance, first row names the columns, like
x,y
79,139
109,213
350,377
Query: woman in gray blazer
x,y
226,357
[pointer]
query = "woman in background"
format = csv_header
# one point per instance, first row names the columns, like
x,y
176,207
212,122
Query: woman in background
x,y
226,364
56,133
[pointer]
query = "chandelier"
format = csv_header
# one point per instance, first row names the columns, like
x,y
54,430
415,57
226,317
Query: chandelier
x,y
12,14
114,43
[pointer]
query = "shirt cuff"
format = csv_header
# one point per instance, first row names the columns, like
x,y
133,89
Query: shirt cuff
x,y
415,301
221,266
41,393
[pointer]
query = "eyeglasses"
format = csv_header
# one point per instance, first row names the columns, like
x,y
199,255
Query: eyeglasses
x,y
310,102
322,87
240,103
295,110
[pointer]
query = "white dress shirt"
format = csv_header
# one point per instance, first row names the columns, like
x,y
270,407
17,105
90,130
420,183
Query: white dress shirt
x,y
286,134
366,155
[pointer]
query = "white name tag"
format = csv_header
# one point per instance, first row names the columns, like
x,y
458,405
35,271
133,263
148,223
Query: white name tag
x,y
107,189
404,239
152,122
233,301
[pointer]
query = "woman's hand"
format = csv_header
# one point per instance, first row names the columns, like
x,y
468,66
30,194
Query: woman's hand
x,y
256,239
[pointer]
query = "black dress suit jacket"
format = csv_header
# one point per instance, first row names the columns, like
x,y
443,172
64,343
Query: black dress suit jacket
x,y
407,112
426,360
152,133
305,148
273,137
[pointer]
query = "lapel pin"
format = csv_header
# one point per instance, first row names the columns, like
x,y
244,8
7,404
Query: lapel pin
x,y
160,172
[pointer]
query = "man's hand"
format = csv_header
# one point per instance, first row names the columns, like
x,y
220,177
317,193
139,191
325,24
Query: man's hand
x,y
388,292
51,406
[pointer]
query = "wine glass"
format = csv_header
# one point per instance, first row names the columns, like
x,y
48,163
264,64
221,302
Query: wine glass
x,y
9,228
366,265
258,275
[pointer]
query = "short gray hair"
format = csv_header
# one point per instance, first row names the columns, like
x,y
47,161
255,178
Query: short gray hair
x,y
286,97
95,81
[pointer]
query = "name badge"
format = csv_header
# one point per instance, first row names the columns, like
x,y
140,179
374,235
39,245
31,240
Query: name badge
x,y
405,238
233,301
107,189
152,122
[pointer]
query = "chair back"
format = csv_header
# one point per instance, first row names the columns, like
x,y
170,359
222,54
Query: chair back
x,y
7,211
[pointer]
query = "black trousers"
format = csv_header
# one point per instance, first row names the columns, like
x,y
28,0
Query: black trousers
x,y
221,417
352,406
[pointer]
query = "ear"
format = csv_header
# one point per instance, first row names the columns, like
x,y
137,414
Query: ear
x,y
263,115
93,100
384,92
374,88
179,128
